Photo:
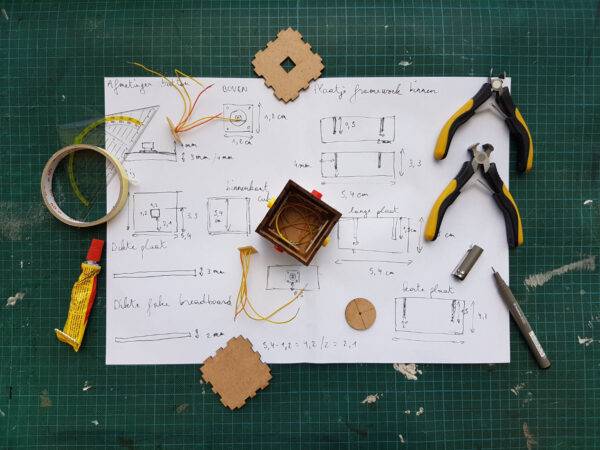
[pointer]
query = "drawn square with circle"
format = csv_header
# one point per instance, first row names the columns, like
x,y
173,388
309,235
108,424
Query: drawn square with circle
x,y
292,276
238,118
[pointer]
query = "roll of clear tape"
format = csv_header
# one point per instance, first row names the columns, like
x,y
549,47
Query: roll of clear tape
x,y
48,194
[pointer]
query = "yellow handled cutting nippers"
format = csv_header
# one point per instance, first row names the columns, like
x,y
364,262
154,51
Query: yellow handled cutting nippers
x,y
504,199
494,94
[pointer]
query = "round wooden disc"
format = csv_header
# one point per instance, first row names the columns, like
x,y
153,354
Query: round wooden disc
x,y
360,314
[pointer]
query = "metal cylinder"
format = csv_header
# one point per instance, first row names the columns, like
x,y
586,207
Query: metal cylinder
x,y
467,262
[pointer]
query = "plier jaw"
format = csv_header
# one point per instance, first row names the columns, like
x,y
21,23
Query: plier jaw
x,y
497,83
480,158
494,93
480,161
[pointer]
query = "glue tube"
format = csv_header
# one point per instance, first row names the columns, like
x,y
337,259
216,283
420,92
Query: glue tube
x,y
83,295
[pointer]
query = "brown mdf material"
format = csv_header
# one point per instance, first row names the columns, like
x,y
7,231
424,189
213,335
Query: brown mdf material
x,y
308,65
295,204
360,314
236,372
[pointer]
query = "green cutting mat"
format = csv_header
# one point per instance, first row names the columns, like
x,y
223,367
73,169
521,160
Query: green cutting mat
x,y
53,57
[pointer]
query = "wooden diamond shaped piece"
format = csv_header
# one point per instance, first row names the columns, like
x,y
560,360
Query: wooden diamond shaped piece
x,y
236,372
307,65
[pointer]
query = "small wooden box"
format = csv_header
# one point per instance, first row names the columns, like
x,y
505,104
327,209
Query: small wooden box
x,y
303,219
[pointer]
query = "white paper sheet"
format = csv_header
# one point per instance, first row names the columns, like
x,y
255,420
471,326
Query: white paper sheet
x,y
173,268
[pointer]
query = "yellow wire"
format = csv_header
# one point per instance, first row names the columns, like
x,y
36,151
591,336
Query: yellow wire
x,y
308,226
188,105
243,301
181,94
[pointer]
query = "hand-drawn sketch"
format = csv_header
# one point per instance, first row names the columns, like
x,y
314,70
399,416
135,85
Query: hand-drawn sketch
x,y
156,274
155,213
292,277
375,234
240,119
358,165
122,137
358,129
174,277
228,215
153,337
148,152
426,315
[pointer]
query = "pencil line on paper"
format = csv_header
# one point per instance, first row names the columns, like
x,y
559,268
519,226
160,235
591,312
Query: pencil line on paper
x,y
152,337
156,274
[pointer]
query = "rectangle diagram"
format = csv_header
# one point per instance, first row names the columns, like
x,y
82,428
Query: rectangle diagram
x,y
228,215
155,213
238,119
292,277
374,234
430,315
358,129
358,165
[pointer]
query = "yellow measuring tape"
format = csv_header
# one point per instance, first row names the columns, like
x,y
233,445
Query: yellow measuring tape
x,y
48,194
79,139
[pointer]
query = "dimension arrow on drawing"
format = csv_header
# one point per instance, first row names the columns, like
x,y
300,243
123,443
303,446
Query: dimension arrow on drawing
x,y
427,340
472,317
340,261
420,241
259,117
401,163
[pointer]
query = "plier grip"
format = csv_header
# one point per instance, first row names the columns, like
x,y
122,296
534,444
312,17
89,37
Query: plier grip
x,y
519,131
501,194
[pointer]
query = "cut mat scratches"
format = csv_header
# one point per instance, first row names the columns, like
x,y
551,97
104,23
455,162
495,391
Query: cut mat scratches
x,y
587,264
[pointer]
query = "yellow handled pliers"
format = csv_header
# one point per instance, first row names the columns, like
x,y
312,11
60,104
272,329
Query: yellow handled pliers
x,y
494,94
504,199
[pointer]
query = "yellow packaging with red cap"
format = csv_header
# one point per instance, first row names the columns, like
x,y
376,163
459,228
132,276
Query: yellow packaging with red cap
x,y
83,295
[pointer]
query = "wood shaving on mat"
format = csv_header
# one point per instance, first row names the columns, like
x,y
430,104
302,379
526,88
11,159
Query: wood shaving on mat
x,y
586,264
370,399
45,401
12,301
410,371
518,388
529,438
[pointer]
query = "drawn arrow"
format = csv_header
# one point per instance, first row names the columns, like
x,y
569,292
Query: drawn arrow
x,y
340,261
259,114
472,317
401,163
420,241
427,340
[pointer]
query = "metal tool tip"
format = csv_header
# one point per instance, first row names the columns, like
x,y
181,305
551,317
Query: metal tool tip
x,y
493,270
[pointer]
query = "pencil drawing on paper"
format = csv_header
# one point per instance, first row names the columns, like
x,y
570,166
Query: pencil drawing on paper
x,y
156,273
186,269
228,215
121,138
375,234
243,119
358,165
149,152
153,337
358,129
424,315
155,213
292,277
